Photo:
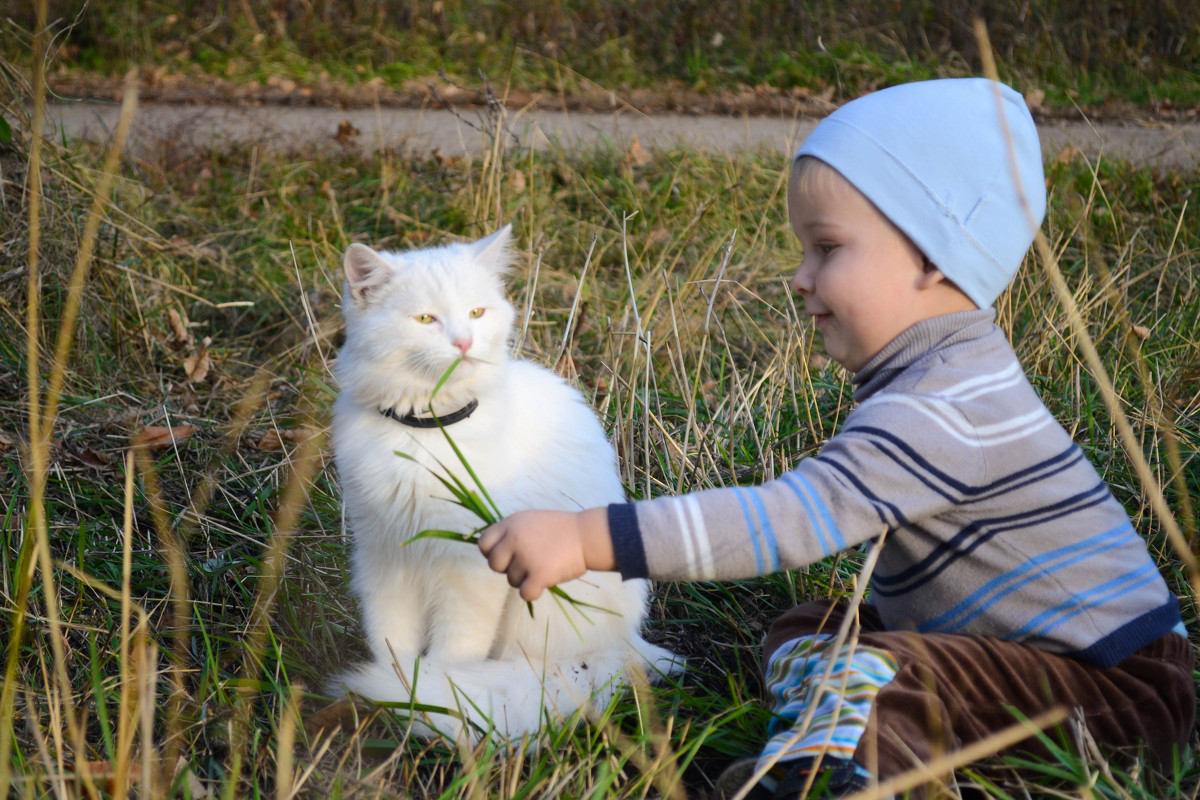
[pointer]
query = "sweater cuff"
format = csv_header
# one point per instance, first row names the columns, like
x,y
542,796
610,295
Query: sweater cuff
x,y
627,541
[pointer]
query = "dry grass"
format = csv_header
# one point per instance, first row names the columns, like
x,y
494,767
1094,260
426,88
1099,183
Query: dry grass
x,y
173,582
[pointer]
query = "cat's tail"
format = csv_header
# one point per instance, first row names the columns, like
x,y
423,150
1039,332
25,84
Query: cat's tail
x,y
501,699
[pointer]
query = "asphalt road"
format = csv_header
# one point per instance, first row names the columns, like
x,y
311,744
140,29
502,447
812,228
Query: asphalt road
x,y
1162,145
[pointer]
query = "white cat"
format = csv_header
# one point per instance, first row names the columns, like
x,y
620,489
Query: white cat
x,y
435,615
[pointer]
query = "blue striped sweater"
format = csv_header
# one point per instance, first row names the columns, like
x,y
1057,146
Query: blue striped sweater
x,y
997,523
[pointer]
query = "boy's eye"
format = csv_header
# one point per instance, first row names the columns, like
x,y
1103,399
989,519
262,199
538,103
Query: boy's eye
x,y
425,319
476,313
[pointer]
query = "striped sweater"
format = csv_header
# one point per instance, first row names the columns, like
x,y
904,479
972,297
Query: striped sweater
x,y
997,523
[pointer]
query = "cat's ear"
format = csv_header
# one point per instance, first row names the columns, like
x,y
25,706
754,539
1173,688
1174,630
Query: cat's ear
x,y
496,251
366,271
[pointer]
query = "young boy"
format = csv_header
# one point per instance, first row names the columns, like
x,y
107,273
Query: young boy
x,y
1009,579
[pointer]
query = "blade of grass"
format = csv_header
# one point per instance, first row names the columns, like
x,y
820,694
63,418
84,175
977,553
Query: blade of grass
x,y
1083,340
8,692
41,417
303,468
461,458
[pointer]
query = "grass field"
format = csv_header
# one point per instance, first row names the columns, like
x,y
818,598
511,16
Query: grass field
x,y
1097,54
173,576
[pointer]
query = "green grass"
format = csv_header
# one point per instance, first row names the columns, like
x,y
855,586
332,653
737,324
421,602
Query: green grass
x,y
244,247
1091,54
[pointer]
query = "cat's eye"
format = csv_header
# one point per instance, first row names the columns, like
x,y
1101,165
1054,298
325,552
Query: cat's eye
x,y
425,319
476,313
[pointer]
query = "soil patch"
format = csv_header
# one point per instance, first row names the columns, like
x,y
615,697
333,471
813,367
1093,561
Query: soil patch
x,y
159,86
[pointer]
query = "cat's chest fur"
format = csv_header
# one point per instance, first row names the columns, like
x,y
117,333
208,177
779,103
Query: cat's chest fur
x,y
530,442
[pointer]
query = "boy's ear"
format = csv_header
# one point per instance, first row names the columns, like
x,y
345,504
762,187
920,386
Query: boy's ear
x,y
931,276
930,279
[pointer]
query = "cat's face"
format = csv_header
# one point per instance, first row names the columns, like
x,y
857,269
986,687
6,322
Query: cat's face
x,y
411,316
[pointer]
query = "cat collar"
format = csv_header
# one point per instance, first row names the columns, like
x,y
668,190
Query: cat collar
x,y
433,421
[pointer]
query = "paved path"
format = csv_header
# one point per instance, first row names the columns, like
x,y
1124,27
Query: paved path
x,y
411,130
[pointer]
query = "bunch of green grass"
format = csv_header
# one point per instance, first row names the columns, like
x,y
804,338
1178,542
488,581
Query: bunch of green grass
x,y
1085,52
179,608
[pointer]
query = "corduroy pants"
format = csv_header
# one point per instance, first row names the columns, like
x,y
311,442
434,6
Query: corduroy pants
x,y
952,690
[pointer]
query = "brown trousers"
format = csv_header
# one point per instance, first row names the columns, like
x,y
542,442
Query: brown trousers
x,y
953,690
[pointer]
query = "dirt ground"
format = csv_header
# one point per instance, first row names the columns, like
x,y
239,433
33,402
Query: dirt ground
x,y
1161,143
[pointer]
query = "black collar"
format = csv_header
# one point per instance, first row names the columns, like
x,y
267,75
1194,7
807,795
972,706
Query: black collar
x,y
433,421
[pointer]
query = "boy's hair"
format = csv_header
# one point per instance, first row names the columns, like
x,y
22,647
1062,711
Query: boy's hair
x,y
955,164
812,177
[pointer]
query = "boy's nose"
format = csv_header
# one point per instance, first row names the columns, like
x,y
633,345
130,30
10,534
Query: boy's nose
x,y
801,282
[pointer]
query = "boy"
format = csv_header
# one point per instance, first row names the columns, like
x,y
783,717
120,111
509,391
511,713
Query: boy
x,y
1009,578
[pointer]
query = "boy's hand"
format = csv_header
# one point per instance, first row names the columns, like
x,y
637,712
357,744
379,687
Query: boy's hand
x,y
540,549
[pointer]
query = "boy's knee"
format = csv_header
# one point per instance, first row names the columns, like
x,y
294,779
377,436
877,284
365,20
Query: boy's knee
x,y
813,618
806,619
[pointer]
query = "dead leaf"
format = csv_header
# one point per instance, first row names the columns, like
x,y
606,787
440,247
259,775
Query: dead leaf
x,y
180,336
1069,154
159,437
7,441
1142,332
444,161
344,714
95,458
272,440
346,133
199,789
516,180
1034,99
198,364
637,155
817,361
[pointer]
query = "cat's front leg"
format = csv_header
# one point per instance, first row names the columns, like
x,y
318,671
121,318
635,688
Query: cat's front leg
x,y
393,612
466,613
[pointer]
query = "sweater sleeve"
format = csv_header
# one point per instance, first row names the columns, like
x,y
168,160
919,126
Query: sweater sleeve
x,y
864,481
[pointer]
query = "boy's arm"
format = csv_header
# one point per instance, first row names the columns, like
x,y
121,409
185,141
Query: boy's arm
x,y
866,478
845,496
540,549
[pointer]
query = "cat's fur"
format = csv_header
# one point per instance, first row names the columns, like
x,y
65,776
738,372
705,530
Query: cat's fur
x,y
435,615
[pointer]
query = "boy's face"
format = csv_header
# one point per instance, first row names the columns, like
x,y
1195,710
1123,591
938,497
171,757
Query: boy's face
x,y
862,280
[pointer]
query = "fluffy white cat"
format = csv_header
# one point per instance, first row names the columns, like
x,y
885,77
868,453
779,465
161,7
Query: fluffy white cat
x,y
444,630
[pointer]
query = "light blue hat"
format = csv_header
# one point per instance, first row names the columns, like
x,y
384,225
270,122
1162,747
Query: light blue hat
x,y
937,158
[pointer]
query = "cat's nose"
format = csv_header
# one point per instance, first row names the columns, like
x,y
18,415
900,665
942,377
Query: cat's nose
x,y
463,344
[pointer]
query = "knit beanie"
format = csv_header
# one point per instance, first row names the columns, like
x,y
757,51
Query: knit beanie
x,y
934,158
